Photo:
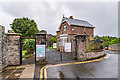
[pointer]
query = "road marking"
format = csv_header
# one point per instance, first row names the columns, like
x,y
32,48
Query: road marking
x,y
107,55
41,73
45,67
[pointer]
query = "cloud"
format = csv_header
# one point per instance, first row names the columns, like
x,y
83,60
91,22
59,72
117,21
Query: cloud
x,y
16,9
48,15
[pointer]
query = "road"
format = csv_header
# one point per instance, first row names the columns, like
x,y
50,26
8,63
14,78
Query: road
x,y
107,68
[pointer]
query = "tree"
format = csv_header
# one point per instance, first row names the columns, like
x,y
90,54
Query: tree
x,y
29,45
53,39
115,41
24,26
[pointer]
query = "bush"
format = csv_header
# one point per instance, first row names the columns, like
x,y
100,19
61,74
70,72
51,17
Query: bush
x,y
115,41
106,43
29,46
53,39
93,45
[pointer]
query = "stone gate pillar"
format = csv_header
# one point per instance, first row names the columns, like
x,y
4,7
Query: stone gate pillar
x,y
80,47
13,48
40,40
3,41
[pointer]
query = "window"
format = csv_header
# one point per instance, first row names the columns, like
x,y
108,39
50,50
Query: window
x,y
63,41
72,29
64,27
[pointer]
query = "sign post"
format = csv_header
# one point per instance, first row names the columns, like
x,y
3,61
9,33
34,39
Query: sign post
x,y
54,45
40,51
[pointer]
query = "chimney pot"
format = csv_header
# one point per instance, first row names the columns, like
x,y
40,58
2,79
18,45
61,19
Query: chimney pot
x,y
71,17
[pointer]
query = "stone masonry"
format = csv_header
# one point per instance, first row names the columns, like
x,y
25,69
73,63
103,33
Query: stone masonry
x,y
114,47
80,46
81,49
9,48
41,39
3,49
13,46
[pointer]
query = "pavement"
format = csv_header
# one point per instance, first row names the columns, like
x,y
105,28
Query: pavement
x,y
19,72
30,60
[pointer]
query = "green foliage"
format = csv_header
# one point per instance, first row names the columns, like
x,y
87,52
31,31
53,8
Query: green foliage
x,y
53,39
97,38
29,45
115,41
107,39
24,26
23,52
49,47
93,45
106,43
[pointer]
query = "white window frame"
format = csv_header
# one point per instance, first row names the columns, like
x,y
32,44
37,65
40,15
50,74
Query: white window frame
x,y
73,29
65,27
63,39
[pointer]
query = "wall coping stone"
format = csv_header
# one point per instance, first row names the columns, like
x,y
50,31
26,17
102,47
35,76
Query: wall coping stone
x,y
16,34
40,33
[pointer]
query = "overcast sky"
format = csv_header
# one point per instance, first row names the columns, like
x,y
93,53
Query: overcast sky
x,y
48,15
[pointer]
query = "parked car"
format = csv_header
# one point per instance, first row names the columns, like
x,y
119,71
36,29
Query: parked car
x,y
106,48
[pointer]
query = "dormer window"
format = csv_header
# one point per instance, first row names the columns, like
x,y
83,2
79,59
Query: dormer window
x,y
64,27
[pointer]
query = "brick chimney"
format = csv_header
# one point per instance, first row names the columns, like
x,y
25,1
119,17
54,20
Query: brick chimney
x,y
71,17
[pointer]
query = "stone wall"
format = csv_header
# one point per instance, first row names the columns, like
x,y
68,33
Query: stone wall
x,y
114,47
13,46
92,55
3,49
81,49
9,48
40,40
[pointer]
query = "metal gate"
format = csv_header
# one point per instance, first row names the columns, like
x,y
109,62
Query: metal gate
x,y
34,59
53,56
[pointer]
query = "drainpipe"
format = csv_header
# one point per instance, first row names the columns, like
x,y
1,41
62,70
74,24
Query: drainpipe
x,y
84,29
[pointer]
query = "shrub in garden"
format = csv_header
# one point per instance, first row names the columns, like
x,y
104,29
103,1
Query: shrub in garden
x,y
29,46
93,45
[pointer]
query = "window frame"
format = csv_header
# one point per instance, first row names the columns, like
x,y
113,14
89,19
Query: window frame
x,y
65,27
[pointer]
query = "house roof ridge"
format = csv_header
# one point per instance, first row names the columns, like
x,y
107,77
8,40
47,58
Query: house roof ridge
x,y
76,19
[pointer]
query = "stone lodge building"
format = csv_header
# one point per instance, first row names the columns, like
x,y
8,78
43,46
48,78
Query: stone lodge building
x,y
69,28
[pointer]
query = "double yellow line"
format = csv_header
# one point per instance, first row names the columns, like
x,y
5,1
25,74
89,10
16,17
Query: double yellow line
x,y
47,66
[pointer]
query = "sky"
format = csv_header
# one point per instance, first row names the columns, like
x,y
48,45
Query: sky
x,y
48,14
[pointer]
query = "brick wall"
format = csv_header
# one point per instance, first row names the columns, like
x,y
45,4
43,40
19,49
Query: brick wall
x,y
71,38
78,30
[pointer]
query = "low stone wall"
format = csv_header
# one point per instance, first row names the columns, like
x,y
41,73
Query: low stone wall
x,y
114,47
91,55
